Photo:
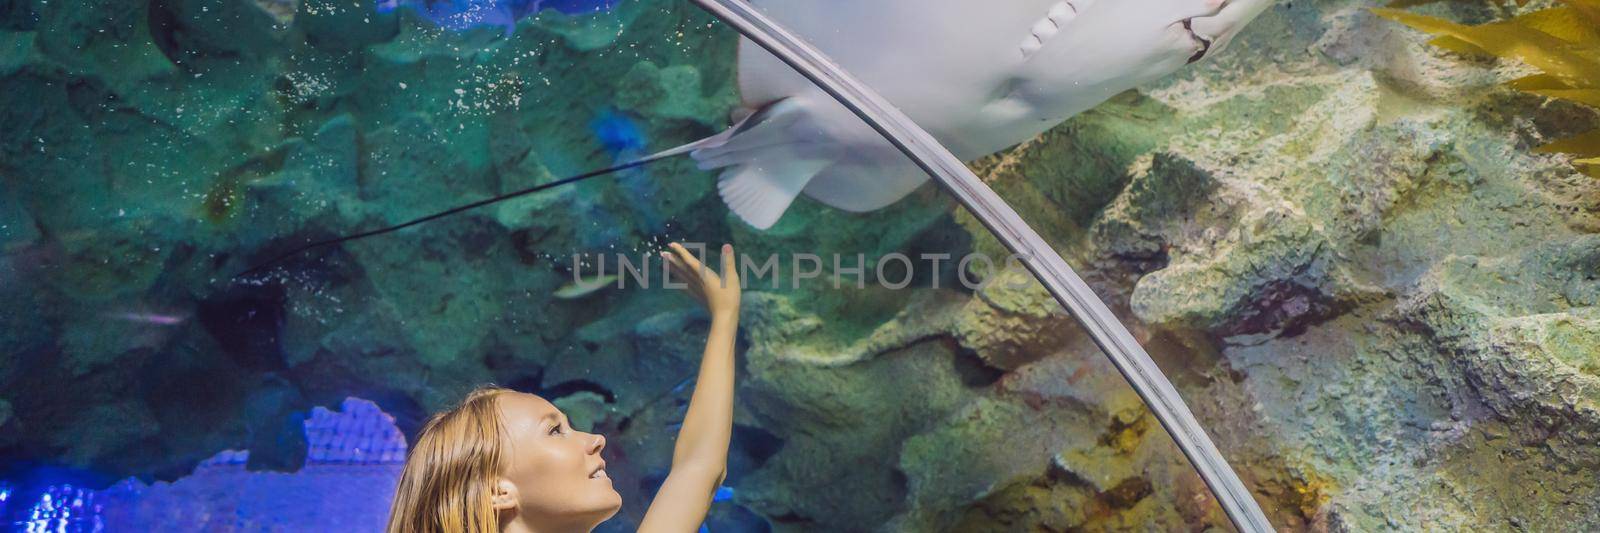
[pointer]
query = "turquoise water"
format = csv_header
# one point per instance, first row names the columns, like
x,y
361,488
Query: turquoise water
x,y
156,151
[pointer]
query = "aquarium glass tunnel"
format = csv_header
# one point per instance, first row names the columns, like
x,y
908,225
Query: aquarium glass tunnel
x,y
1039,265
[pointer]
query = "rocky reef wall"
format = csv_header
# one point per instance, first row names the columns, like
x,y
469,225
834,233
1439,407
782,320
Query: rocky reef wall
x,y
1384,304
1334,239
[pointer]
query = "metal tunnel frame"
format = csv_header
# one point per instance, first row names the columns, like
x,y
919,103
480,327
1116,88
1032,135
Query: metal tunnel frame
x,y
1001,220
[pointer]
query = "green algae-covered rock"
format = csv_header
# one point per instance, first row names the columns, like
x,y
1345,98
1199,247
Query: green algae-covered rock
x,y
1390,279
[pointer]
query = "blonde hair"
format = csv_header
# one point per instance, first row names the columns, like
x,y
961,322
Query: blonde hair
x,y
451,470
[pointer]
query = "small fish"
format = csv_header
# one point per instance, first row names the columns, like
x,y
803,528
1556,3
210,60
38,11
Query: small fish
x,y
149,318
585,287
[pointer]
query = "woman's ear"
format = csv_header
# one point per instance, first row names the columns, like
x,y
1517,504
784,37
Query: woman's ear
x,y
505,495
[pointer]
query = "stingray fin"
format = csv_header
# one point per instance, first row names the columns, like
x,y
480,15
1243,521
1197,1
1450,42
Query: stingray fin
x,y
767,161
755,127
760,192
762,77
862,186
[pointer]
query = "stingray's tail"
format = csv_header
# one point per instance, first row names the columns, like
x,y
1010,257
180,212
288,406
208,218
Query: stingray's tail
x,y
714,140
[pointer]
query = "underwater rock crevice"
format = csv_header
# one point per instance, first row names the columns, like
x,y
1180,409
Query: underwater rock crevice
x,y
162,23
246,321
18,15
566,388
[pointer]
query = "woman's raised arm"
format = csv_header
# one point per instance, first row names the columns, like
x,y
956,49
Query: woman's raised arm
x,y
700,458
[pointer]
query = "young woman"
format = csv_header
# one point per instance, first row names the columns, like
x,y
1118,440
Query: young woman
x,y
504,461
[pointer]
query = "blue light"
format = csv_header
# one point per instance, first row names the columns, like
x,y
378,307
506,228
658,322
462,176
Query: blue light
x,y
351,450
574,7
462,15
63,508
617,133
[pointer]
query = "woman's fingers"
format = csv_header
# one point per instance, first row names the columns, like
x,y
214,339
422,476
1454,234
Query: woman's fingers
x,y
703,283
730,271
688,259
690,278
701,272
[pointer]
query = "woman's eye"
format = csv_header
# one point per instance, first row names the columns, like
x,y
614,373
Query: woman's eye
x,y
555,430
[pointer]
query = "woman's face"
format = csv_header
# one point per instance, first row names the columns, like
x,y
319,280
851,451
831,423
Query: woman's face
x,y
559,476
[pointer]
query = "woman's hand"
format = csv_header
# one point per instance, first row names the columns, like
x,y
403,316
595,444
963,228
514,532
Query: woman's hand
x,y
720,294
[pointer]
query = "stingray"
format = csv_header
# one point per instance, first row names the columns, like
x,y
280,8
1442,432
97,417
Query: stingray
x,y
979,76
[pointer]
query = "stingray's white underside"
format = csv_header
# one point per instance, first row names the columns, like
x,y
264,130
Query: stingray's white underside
x,y
979,76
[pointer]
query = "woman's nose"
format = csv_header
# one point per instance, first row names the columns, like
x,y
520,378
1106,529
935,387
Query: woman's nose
x,y
598,444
